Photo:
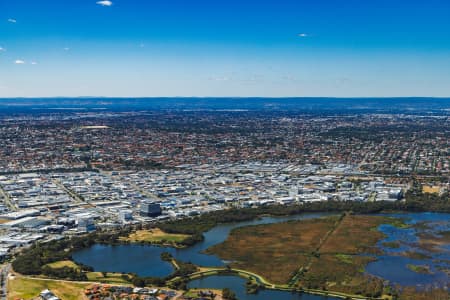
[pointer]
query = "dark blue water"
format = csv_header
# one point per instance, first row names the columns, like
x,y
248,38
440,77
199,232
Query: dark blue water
x,y
145,260
139,259
393,267
237,285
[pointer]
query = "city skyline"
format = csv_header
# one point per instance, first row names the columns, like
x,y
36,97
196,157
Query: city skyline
x,y
224,49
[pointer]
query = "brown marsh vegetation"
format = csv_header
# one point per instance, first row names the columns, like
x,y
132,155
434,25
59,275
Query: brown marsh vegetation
x,y
323,253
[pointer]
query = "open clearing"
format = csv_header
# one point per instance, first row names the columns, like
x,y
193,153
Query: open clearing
x,y
62,264
155,235
29,288
431,189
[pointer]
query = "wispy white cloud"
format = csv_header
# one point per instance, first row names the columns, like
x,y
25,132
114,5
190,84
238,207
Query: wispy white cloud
x,y
66,48
343,81
255,78
2,49
303,35
34,63
228,76
289,78
12,20
219,78
19,62
104,3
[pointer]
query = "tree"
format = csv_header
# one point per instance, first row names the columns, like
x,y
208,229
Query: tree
x,y
137,281
228,294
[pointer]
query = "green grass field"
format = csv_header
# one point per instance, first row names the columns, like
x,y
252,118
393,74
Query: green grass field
x,y
62,264
29,288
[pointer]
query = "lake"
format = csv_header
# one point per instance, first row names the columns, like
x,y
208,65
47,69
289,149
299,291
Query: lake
x,y
237,284
393,267
145,260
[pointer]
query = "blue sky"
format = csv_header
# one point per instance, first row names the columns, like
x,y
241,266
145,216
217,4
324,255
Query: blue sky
x,y
340,48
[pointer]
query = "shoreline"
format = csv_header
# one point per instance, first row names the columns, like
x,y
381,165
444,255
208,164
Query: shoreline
x,y
270,286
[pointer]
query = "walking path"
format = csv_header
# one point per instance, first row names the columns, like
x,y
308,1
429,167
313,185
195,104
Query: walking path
x,y
268,285
295,278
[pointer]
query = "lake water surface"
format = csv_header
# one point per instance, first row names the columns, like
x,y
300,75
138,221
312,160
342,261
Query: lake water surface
x,y
394,267
145,260
237,284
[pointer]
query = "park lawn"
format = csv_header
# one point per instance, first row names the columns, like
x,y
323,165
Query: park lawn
x,y
62,264
111,278
155,235
29,288
274,251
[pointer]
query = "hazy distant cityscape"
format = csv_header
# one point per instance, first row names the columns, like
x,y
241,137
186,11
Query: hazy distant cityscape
x,y
69,172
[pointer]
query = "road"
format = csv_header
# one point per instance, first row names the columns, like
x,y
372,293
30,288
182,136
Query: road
x,y
8,201
71,193
4,281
